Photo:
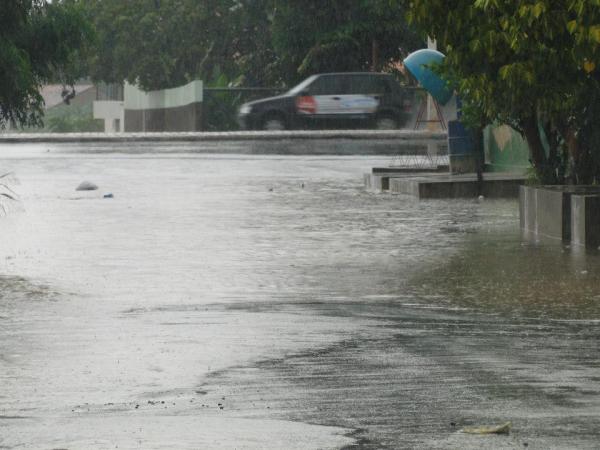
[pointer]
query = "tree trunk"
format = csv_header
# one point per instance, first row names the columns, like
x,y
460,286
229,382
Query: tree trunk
x,y
374,55
554,136
477,136
580,159
537,152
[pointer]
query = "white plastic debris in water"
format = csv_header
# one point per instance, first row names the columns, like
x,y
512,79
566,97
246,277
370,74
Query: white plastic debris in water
x,y
493,429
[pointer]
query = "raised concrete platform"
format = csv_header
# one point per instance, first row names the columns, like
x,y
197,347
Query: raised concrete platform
x,y
585,220
564,213
380,177
495,185
445,185
391,171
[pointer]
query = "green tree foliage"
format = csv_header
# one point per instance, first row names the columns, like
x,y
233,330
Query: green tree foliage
x,y
532,64
71,119
158,44
37,41
164,43
339,35
256,63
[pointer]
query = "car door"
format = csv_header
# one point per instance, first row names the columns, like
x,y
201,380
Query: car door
x,y
363,96
326,92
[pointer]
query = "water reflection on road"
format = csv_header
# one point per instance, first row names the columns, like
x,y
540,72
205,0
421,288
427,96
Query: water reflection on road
x,y
230,301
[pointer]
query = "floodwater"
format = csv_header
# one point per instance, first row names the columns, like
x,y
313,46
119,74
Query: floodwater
x,y
247,301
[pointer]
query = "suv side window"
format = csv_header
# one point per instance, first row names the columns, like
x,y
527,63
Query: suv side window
x,y
328,85
369,84
360,84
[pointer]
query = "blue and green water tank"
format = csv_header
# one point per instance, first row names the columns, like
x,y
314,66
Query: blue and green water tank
x,y
419,64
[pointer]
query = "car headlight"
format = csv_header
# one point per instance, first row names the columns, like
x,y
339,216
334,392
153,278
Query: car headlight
x,y
245,109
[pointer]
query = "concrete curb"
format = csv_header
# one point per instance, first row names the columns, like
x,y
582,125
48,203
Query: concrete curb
x,y
400,135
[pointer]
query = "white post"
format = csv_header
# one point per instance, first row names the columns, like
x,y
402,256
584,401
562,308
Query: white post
x,y
432,149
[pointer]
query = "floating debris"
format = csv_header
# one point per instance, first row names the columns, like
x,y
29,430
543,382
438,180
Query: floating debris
x,y
86,186
494,429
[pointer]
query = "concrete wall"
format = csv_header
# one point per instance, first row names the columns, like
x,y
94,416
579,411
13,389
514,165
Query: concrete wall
x,y
585,220
177,109
183,118
113,114
505,150
85,94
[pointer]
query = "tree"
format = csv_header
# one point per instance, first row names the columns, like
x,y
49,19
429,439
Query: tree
x,y
338,35
37,43
251,47
532,64
166,43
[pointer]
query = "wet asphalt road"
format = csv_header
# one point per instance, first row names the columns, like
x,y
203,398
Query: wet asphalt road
x,y
220,301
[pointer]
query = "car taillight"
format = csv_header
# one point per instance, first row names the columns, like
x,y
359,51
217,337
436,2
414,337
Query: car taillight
x,y
306,104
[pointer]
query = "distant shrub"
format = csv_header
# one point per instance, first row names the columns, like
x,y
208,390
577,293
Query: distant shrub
x,y
72,119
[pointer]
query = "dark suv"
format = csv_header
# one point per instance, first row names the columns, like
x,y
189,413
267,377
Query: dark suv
x,y
331,100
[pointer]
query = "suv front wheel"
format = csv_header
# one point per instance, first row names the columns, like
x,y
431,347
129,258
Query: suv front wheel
x,y
273,122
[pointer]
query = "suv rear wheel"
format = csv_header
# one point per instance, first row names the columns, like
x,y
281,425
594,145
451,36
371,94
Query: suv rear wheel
x,y
386,122
273,122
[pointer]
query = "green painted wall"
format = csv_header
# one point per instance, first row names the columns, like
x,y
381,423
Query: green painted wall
x,y
505,150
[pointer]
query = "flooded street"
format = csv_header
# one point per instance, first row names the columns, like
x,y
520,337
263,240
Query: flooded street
x,y
265,301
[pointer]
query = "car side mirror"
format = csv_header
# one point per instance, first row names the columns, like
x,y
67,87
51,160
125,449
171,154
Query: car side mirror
x,y
304,93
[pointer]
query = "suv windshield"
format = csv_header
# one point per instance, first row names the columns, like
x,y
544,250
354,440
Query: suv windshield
x,y
302,86
329,85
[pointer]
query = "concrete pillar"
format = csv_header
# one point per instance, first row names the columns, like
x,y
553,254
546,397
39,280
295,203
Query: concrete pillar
x,y
528,209
431,111
553,211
